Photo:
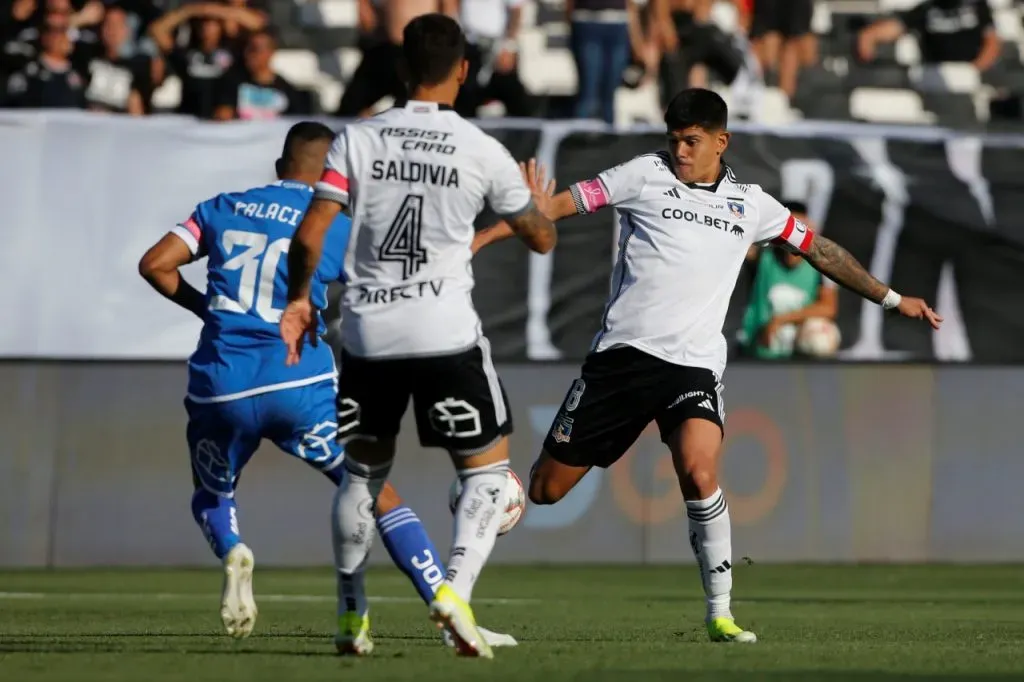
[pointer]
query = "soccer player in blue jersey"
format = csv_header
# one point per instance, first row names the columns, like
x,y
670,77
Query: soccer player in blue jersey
x,y
240,391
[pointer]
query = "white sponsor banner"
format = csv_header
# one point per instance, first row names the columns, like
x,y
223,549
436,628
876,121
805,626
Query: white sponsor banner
x,y
84,195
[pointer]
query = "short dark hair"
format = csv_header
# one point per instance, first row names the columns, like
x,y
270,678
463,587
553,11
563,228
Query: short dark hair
x,y
296,153
795,207
433,44
697,107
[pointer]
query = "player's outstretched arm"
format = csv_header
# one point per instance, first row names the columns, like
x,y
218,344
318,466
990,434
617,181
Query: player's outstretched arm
x,y
298,320
159,266
535,229
490,235
837,263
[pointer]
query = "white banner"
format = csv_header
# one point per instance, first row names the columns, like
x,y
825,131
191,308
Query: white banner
x,y
84,195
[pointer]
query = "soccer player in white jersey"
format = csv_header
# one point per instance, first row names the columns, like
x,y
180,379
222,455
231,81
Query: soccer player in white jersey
x,y
414,179
686,224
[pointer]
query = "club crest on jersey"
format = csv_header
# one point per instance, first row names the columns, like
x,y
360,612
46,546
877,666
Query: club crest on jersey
x,y
562,429
736,207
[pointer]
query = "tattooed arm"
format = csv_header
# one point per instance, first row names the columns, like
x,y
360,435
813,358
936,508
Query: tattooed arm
x,y
836,262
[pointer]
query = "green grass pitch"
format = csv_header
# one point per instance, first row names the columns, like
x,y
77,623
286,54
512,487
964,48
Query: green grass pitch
x,y
593,624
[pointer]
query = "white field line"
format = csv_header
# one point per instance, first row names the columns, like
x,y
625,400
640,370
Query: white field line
x,y
185,596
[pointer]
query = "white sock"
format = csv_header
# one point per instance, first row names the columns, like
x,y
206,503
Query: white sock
x,y
353,529
711,540
477,518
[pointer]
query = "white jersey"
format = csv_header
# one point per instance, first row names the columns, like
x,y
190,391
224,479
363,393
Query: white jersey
x,y
680,251
415,178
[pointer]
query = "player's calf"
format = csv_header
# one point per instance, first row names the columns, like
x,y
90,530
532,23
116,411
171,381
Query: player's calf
x,y
695,446
550,480
218,519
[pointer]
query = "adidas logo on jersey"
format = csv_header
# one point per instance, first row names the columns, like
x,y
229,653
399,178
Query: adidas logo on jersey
x,y
706,404
674,193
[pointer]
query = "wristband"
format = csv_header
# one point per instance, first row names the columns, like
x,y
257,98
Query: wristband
x,y
891,300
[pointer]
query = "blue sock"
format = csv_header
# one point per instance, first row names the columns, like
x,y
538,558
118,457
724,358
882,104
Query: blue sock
x,y
218,519
412,551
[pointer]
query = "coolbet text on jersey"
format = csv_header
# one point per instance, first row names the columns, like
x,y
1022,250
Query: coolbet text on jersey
x,y
246,236
668,227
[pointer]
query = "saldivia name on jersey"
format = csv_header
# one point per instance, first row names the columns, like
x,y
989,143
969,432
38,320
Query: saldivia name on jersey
x,y
418,140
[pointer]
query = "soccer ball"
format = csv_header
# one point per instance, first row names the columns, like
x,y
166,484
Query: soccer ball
x,y
819,337
515,501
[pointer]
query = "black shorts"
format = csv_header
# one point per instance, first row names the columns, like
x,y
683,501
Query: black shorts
x,y
791,18
619,392
458,399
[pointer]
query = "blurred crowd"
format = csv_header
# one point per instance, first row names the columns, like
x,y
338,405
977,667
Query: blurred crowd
x,y
111,55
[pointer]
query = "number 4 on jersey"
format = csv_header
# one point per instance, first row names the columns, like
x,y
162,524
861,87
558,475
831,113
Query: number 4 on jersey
x,y
402,242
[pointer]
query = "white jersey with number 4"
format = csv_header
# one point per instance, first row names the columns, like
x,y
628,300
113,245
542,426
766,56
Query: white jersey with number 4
x,y
415,178
681,247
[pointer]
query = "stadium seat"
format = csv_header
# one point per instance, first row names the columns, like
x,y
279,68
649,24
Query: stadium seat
x,y
775,108
953,110
830,106
299,67
637,105
330,13
878,76
543,71
888,6
821,20
959,77
888,106
1008,24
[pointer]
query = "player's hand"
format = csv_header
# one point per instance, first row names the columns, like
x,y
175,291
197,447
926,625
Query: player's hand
x,y
298,322
540,187
917,309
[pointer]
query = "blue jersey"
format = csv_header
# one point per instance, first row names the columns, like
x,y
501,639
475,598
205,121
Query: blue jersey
x,y
246,236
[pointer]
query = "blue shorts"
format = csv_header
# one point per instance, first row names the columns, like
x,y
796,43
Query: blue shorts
x,y
222,437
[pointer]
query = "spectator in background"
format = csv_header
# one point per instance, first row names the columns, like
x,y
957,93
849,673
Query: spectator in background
x,y
119,79
252,91
786,292
603,34
240,20
50,81
139,15
30,18
208,56
781,33
947,31
381,23
492,29
695,46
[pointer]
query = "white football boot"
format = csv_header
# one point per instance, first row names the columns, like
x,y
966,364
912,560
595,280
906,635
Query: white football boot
x,y
237,606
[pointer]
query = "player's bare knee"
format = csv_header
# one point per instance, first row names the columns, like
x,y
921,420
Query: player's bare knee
x,y
545,490
695,446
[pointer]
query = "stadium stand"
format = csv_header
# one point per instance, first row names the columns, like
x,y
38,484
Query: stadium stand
x,y
319,50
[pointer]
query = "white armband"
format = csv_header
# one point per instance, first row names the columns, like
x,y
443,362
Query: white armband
x,y
891,300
